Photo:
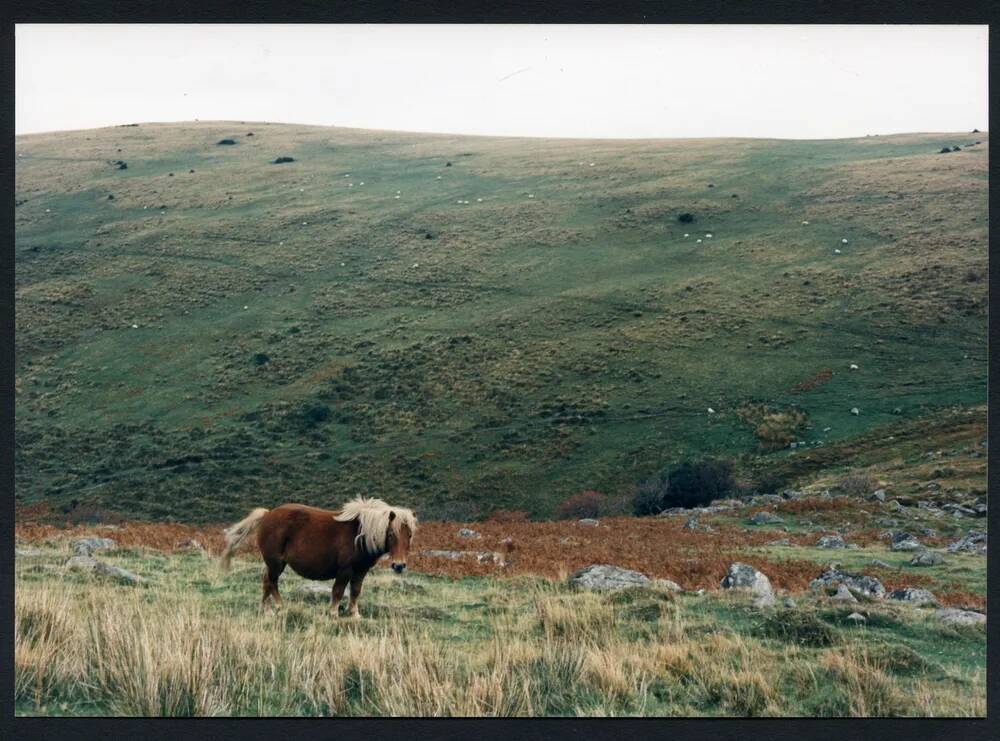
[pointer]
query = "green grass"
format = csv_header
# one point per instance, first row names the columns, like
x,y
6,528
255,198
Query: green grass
x,y
191,643
543,346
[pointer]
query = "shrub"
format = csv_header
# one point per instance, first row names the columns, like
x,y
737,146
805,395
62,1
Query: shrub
x,y
770,483
686,218
584,504
692,484
647,499
315,414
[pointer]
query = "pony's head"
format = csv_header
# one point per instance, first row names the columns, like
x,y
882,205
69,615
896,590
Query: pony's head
x,y
382,528
398,539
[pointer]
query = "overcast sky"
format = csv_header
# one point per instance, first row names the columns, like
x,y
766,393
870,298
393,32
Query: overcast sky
x,y
573,81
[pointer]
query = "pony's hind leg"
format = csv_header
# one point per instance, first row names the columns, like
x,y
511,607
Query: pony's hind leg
x,y
269,579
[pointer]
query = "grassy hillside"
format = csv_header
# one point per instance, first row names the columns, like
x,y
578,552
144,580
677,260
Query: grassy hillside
x,y
206,331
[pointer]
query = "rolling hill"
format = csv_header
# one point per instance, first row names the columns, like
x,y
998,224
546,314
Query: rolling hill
x,y
465,324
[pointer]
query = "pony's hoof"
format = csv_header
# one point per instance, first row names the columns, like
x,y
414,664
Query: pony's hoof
x,y
352,616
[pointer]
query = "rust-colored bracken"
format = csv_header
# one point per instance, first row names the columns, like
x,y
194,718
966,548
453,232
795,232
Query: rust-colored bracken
x,y
657,547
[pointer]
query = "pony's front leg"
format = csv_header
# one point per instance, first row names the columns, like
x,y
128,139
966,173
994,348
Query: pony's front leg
x,y
352,611
339,585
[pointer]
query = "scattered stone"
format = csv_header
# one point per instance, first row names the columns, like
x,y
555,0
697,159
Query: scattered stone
x,y
780,541
878,495
606,576
973,542
953,616
831,541
225,142
926,558
467,533
745,577
91,565
913,596
764,600
441,554
588,522
86,546
855,411
856,618
861,585
843,594
282,160
959,511
26,552
879,564
765,518
693,524
81,563
900,540
788,602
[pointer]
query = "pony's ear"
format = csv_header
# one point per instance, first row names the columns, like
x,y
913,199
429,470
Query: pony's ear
x,y
392,515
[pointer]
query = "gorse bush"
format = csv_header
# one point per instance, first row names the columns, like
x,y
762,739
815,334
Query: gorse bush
x,y
584,504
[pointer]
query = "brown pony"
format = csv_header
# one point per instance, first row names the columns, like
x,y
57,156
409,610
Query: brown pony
x,y
322,544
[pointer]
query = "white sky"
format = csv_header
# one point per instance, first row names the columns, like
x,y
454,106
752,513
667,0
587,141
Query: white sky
x,y
574,81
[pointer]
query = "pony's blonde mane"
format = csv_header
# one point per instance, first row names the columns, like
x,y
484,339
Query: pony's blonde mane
x,y
373,521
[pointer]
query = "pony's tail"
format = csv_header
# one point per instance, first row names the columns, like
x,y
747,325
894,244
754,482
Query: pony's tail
x,y
236,534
